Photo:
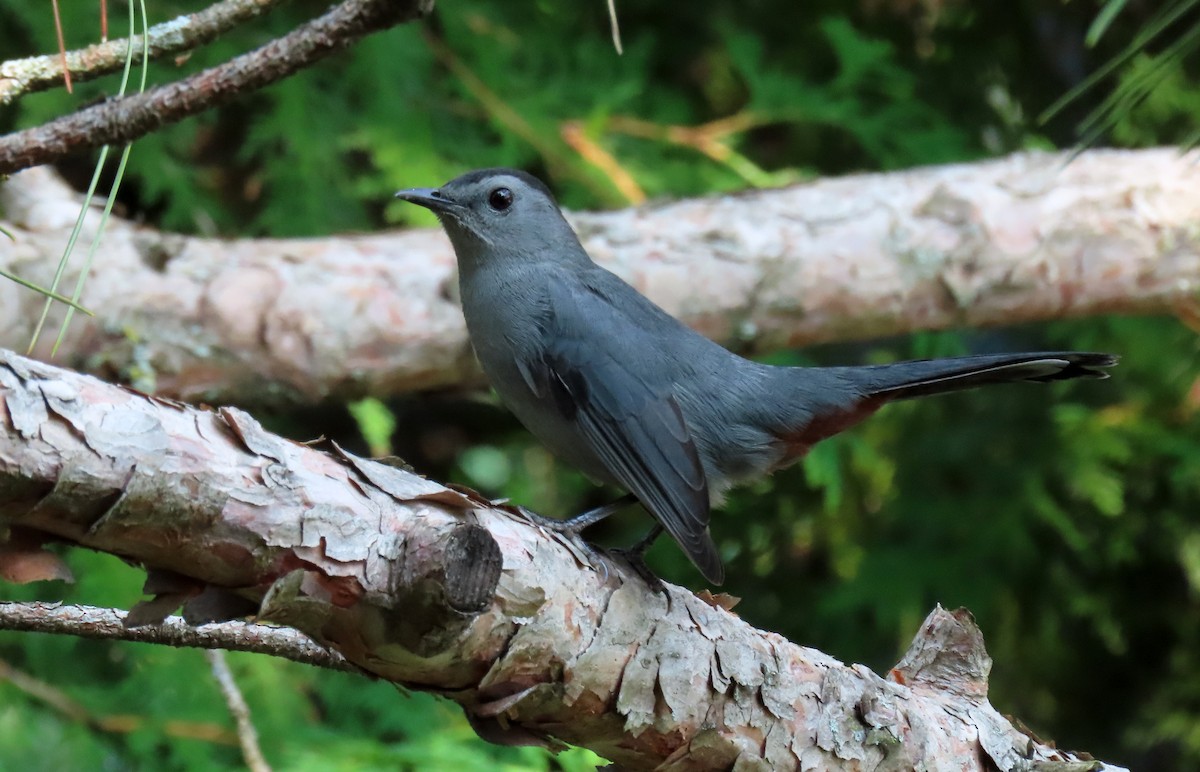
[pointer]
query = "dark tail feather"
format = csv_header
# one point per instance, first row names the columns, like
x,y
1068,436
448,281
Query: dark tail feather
x,y
904,380
708,561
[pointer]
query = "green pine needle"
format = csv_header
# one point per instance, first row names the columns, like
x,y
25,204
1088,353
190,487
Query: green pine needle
x,y
42,290
51,294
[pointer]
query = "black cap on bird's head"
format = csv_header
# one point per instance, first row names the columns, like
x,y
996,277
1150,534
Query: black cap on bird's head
x,y
498,207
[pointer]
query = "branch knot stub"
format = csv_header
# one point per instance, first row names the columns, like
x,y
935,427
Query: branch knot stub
x,y
473,563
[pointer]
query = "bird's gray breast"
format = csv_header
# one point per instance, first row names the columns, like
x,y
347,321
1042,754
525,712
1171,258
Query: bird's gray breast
x,y
508,318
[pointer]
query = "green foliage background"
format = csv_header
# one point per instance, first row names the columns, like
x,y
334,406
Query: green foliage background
x,y
1065,518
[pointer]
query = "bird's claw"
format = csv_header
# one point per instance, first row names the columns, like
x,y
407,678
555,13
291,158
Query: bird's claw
x,y
549,523
572,531
598,559
635,557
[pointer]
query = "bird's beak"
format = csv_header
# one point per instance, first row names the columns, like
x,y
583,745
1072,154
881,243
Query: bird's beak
x,y
430,198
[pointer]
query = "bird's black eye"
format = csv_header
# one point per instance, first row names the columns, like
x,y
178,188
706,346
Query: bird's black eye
x,y
500,199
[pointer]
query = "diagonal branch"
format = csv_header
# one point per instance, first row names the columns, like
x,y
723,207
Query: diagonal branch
x,y
247,735
123,120
59,701
38,73
437,589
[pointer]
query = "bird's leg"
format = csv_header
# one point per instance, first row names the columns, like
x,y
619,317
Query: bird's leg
x,y
573,525
635,556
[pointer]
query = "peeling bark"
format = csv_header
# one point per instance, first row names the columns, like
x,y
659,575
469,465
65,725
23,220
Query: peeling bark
x,y
1020,239
436,589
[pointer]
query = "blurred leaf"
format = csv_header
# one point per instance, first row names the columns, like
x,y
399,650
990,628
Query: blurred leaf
x,y
1104,19
376,423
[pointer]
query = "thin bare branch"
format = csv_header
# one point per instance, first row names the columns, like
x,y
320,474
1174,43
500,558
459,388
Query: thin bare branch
x,y
123,120
118,723
575,135
247,734
45,693
108,624
184,33
62,47
615,25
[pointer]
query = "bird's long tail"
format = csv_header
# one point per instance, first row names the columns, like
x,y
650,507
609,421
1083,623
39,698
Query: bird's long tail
x,y
904,380
826,400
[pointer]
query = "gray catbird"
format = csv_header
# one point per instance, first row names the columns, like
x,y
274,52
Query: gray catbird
x,y
614,385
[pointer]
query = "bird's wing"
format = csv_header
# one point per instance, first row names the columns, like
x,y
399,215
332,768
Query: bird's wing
x,y
634,426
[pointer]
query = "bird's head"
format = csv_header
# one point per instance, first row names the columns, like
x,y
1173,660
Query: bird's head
x,y
493,214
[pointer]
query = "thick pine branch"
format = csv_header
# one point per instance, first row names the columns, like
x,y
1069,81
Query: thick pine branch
x,y
435,589
1024,238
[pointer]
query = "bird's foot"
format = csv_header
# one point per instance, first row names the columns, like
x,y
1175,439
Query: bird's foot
x,y
637,561
572,529
574,525
598,559
558,525
635,556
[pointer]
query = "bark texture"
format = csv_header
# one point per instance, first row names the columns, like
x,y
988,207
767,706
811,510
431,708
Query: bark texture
x,y
435,589
110,624
1025,238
